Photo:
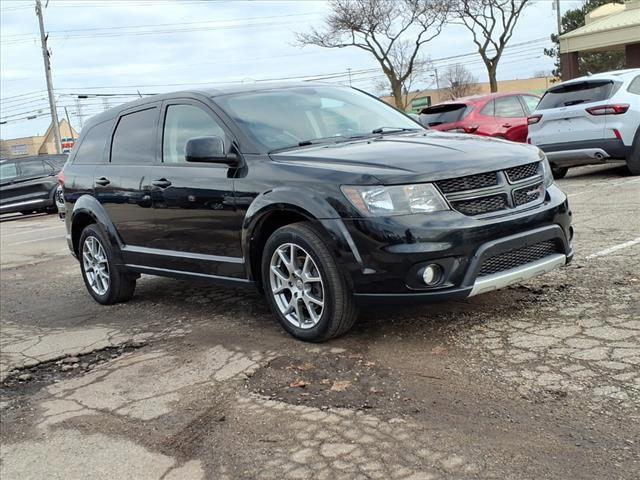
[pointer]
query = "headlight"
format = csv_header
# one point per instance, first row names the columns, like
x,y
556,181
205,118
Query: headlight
x,y
547,174
380,201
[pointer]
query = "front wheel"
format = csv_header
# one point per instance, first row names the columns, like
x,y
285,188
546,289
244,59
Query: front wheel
x,y
304,286
559,172
106,282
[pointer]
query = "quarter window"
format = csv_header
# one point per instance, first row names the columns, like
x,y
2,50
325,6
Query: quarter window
x,y
92,146
508,107
183,122
634,86
134,138
531,102
489,109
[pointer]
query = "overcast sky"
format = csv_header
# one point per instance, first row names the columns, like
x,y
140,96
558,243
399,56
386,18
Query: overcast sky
x,y
125,46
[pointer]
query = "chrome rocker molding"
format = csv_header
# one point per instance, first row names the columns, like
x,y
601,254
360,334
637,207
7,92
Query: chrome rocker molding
x,y
518,274
26,202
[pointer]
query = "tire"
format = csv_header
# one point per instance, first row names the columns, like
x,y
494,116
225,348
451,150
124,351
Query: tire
x,y
633,161
28,212
559,172
115,285
338,312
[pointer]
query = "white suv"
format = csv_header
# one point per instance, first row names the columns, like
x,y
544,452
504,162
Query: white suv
x,y
590,119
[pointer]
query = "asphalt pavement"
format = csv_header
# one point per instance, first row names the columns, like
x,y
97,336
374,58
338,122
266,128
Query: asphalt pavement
x,y
194,381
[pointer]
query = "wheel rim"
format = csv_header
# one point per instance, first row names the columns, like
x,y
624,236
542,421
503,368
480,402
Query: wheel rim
x,y
296,285
96,265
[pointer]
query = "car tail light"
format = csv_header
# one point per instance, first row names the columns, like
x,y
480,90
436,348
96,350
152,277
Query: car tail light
x,y
60,177
617,109
533,119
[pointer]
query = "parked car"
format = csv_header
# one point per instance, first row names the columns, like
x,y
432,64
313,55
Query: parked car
x,y
323,197
501,115
587,120
28,184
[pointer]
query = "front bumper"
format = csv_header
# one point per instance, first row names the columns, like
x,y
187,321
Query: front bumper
x,y
392,251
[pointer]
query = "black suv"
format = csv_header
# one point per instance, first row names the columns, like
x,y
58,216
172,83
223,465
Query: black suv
x,y
29,184
324,197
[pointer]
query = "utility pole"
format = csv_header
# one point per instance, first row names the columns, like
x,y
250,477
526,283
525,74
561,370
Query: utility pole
x,y
349,72
47,71
437,82
105,103
66,112
79,112
558,17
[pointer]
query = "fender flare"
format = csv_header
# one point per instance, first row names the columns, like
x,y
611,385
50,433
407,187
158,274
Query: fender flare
x,y
88,205
306,204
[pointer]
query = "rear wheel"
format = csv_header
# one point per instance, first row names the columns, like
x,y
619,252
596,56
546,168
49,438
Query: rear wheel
x,y
303,285
559,172
633,161
106,281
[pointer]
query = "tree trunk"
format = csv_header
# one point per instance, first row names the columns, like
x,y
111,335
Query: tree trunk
x,y
493,83
396,88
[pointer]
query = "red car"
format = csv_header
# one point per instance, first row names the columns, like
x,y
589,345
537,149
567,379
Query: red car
x,y
502,115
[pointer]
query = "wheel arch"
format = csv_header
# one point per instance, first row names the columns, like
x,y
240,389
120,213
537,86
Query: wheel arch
x,y
86,211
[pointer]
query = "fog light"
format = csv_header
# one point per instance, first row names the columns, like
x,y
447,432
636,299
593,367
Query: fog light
x,y
432,274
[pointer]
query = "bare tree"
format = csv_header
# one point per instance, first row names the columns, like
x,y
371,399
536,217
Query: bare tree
x,y
459,82
491,22
391,30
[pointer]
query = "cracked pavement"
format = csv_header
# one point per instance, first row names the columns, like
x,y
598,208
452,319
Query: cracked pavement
x,y
528,382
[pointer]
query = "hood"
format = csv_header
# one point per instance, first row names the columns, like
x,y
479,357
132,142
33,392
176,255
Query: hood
x,y
420,157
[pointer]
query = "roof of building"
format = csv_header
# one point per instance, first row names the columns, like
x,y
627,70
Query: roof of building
x,y
609,26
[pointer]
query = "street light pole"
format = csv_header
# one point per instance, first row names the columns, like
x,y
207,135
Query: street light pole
x,y
47,71
558,17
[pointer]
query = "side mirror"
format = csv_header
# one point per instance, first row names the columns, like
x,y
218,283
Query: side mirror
x,y
209,150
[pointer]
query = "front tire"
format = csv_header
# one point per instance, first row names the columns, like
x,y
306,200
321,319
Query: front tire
x,y
105,280
304,287
559,172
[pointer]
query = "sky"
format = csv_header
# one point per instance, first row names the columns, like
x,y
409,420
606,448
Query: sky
x,y
124,47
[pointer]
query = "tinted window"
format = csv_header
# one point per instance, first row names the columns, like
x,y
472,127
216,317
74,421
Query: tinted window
x,y
634,86
284,117
8,171
531,102
509,107
576,93
33,167
181,123
57,161
134,138
93,143
439,114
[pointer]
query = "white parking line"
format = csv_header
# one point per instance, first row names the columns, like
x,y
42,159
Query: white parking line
x,y
615,248
32,231
37,240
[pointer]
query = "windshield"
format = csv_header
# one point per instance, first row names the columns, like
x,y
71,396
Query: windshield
x,y
439,114
287,117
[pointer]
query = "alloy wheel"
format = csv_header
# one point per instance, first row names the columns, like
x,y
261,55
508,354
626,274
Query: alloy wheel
x,y
296,285
96,265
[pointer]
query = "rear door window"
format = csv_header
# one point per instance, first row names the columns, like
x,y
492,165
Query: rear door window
x,y
439,114
508,107
135,137
32,168
577,93
92,146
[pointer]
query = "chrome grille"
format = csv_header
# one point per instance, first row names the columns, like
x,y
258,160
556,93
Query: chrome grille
x,y
480,205
515,174
527,194
470,182
518,257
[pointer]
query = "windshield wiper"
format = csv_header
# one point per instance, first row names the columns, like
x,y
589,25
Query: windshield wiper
x,y
313,141
392,130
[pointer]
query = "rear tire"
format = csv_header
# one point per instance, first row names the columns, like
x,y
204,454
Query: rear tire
x,y
305,289
559,172
106,281
633,161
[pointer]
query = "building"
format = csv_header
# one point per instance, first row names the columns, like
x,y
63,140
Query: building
x,y
613,26
423,98
39,144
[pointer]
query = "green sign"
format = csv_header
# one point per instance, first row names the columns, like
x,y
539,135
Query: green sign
x,y
418,104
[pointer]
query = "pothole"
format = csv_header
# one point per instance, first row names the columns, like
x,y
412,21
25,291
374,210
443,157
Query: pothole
x,y
28,380
327,380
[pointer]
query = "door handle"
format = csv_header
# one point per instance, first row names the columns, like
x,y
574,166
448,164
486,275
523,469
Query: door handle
x,y
103,181
506,125
161,182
